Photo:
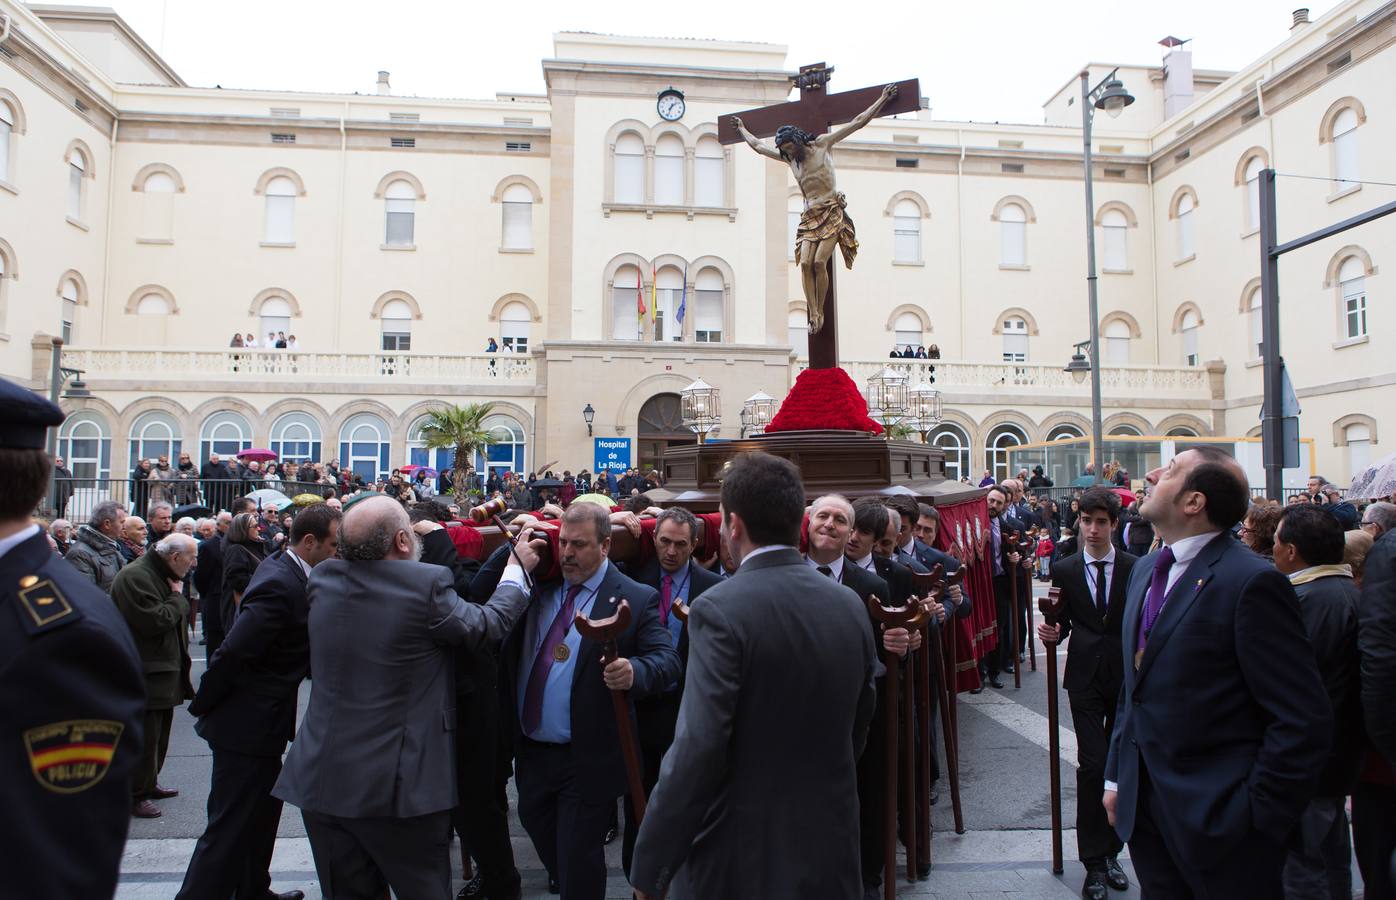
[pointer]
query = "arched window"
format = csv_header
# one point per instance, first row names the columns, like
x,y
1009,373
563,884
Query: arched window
x,y
1188,330
709,173
417,453
630,169
77,183
152,305
1114,232
626,296
1013,236
153,435
1359,438
7,271
363,447
157,207
85,442
1255,324
1352,287
906,232
1015,339
281,211
514,322
1186,246
1116,335
1345,149
708,307
668,294
907,330
396,319
68,310
1064,432
225,433
668,170
517,203
1125,431
275,313
797,332
507,453
953,440
295,437
996,446
7,136
795,207
1253,169
400,214
1182,431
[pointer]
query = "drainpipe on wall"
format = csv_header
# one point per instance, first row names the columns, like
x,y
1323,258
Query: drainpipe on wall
x,y
960,235
106,237
1153,264
339,227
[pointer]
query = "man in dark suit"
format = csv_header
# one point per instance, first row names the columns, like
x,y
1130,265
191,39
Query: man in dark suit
x,y
776,706
568,759
246,710
673,572
1223,724
373,765
1092,585
1006,565
208,580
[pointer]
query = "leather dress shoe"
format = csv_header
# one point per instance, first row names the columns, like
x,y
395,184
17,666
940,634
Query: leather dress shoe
x,y
286,895
144,809
1095,885
979,689
552,886
1115,875
994,682
473,888
162,793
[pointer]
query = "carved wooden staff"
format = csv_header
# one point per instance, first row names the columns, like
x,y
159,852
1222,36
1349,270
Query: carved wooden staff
x,y
1051,607
1011,544
949,698
606,632
490,511
926,586
908,617
1032,624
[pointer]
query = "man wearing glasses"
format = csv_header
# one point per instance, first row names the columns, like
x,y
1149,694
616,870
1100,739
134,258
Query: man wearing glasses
x,y
1379,518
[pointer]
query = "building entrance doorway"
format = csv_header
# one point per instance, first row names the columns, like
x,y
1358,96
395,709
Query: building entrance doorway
x,y
661,427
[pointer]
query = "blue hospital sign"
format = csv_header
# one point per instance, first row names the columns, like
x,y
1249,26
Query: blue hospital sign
x,y
612,454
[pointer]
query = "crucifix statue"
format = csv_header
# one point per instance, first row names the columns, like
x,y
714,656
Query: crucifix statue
x,y
803,141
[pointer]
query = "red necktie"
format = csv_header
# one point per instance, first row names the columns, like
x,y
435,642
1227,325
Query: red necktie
x,y
666,591
543,662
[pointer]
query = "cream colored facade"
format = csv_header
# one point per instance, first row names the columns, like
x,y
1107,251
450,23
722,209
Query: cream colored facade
x,y
353,221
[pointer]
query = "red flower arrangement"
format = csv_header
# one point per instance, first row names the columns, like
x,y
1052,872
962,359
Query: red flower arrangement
x,y
824,399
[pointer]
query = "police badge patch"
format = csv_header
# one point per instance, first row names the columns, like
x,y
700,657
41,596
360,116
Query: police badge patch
x,y
69,757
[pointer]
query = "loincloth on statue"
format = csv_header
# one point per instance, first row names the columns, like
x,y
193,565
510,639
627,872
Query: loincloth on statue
x,y
826,220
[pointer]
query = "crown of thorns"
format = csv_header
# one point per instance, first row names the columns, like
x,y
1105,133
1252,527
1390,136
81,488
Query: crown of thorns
x,y
791,134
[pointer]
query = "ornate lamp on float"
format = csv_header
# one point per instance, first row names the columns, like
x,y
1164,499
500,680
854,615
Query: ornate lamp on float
x,y
757,411
887,397
923,409
700,405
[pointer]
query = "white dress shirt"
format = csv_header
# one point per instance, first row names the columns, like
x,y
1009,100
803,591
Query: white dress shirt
x,y
836,567
866,563
1185,550
305,567
1090,561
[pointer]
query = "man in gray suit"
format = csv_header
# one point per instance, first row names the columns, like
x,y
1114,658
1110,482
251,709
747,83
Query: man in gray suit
x,y
372,767
776,705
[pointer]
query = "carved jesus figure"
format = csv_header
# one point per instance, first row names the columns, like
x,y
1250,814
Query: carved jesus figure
x,y
824,224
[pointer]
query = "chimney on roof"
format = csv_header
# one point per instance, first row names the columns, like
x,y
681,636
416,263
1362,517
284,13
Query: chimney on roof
x,y
1177,76
1301,18
383,88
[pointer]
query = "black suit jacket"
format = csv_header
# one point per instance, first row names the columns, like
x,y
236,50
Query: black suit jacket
x,y
208,573
1094,651
247,699
1227,712
596,753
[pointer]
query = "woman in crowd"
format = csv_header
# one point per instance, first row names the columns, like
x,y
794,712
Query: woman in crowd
x,y
1258,528
242,554
1356,546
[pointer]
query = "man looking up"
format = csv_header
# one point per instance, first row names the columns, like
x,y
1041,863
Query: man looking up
x,y
1223,725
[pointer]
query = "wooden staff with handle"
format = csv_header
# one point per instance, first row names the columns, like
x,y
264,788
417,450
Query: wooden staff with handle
x,y
1010,543
946,694
490,511
1032,624
1051,607
927,587
908,617
606,632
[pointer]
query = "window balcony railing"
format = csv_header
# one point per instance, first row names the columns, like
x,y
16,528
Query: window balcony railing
x,y
260,365
1019,378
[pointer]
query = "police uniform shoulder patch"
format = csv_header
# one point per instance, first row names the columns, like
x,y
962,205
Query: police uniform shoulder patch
x,y
69,757
44,604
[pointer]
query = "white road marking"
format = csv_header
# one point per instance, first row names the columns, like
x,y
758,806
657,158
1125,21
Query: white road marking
x,y
1000,706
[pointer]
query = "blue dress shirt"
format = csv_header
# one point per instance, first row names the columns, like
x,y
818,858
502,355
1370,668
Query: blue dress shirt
x,y
556,725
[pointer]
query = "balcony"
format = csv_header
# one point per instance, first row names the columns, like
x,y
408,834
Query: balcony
x,y
275,368
1006,381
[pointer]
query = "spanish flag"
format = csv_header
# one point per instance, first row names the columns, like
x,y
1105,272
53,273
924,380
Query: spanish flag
x,y
639,295
654,279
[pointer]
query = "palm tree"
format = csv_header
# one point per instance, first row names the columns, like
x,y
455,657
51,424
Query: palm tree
x,y
461,428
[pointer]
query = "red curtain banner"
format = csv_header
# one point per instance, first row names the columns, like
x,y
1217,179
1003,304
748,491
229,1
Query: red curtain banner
x,y
964,534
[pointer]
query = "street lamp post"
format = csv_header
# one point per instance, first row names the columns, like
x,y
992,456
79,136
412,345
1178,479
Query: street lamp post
x,y
1111,96
58,376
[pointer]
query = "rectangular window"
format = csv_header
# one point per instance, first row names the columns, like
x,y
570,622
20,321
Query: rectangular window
x,y
1185,238
1355,307
668,180
514,335
707,317
907,338
402,143
518,121
1115,247
518,226
667,327
401,222
75,191
396,340
5,131
283,138
1345,159
708,177
274,324
157,215
281,218
625,322
1190,355
1015,340
906,239
630,178
1117,351
1014,249
404,117
518,146
70,315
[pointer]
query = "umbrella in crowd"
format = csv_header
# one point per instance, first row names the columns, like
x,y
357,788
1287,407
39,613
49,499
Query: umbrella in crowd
x,y
1126,496
307,499
413,470
1377,480
192,510
259,454
361,495
1084,481
267,497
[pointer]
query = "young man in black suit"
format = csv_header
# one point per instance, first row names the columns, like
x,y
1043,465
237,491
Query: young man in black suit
x,y
674,574
1006,565
246,710
1092,585
1223,724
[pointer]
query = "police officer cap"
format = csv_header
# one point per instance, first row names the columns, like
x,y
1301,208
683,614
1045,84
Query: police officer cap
x,y
25,417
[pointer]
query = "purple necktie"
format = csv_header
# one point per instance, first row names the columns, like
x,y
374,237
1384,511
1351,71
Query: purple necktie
x,y
1153,602
666,598
543,662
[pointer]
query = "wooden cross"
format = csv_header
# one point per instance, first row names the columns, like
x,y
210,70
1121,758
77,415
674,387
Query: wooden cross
x,y
816,112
